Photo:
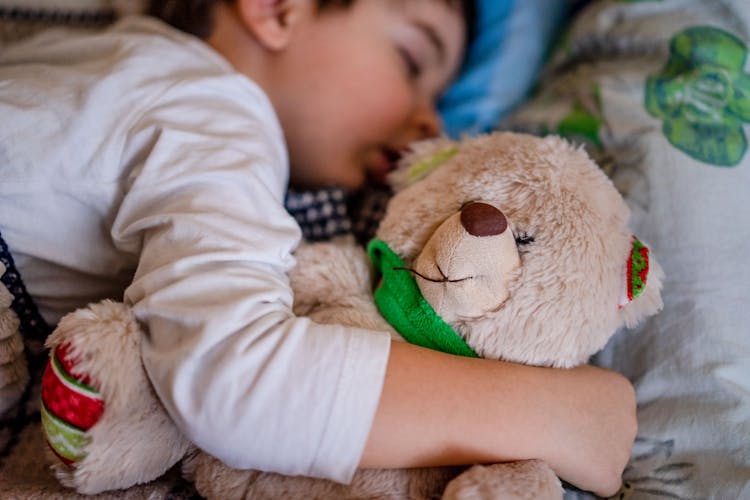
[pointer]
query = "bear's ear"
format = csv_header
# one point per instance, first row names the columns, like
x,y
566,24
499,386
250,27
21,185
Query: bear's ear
x,y
641,288
421,158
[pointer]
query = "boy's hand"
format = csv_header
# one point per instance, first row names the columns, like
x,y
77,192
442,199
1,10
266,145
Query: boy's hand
x,y
597,426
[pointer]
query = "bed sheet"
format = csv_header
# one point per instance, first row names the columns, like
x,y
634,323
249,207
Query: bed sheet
x,y
659,94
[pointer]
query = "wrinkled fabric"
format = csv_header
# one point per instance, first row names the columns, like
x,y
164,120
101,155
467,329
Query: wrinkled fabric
x,y
137,165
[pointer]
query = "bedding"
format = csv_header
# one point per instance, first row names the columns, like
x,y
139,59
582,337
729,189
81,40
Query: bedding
x,y
659,93
21,18
503,61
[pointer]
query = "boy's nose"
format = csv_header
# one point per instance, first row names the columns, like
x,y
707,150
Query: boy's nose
x,y
427,122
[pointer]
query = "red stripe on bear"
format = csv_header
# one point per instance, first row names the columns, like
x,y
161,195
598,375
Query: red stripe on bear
x,y
69,397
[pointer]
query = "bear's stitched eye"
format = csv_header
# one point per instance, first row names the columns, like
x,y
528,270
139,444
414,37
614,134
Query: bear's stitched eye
x,y
524,238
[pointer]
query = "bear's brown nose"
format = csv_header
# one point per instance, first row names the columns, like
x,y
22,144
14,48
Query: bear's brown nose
x,y
481,219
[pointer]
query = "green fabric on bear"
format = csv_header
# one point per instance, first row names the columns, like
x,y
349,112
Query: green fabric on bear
x,y
401,303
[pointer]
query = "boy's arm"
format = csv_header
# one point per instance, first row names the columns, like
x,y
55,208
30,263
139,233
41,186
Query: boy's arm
x,y
439,409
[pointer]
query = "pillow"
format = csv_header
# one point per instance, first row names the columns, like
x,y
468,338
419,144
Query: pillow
x,y
502,63
21,18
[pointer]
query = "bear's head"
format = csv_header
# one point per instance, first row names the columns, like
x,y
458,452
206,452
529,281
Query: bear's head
x,y
519,244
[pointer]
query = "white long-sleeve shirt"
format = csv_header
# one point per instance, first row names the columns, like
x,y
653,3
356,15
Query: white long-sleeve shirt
x,y
138,164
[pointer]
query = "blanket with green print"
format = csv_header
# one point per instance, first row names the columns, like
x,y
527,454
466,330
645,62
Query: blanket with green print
x,y
659,93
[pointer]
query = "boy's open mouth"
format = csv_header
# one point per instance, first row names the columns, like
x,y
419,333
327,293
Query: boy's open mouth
x,y
386,162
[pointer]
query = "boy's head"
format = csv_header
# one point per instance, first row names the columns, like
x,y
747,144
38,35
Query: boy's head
x,y
196,16
353,81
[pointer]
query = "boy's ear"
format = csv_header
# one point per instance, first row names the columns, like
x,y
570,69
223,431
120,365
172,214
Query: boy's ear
x,y
270,21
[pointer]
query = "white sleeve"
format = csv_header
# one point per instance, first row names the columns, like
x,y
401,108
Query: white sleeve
x,y
243,378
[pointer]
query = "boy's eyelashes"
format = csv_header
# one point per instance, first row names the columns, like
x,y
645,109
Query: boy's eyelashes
x,y
413,68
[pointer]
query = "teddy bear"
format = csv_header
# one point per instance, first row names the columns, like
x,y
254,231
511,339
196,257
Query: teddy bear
x,y
504,246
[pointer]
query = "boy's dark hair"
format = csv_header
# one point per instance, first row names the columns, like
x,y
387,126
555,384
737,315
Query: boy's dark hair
x,y
195,16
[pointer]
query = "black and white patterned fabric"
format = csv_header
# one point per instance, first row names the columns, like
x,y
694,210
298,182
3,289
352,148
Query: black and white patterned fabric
x,y
327,213
321,214
367,208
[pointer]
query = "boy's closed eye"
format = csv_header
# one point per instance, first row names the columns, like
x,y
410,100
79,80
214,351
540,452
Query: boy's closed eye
x,y
421,48
413,66
434,42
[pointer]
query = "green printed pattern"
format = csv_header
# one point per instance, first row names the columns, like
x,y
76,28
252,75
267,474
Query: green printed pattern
x,y
702,95
583,122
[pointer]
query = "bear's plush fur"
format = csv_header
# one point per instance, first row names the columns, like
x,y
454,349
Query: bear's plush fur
x,y
14,374
519,243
